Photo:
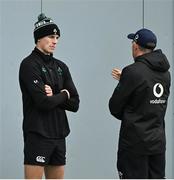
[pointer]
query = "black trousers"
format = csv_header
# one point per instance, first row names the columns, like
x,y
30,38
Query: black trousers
x,y
137,166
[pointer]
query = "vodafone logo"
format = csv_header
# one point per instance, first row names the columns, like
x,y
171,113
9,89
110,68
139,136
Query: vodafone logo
x,y
158,90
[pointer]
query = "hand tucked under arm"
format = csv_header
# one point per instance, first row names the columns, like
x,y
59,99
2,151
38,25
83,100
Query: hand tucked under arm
x,y
72,104
48,90
65,90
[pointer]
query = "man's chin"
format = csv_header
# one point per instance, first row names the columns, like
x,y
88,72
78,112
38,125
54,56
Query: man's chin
x,y
50,51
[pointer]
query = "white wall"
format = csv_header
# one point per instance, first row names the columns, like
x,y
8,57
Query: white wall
x,y
93,41
159,15
0,95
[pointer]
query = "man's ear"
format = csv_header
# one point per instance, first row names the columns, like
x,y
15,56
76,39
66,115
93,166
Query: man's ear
x,y
136,46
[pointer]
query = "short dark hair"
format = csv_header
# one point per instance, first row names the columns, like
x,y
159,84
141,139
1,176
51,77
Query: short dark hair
x,y
146,50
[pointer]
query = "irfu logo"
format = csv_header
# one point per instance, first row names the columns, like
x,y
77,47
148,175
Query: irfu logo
x,y
44,70
59,71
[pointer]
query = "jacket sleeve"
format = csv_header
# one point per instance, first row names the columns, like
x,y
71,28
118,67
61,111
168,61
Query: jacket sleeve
x,y
122,93
71,104
31,82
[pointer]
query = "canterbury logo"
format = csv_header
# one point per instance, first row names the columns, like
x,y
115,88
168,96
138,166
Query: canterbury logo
x,y
40,159
35,81
158,90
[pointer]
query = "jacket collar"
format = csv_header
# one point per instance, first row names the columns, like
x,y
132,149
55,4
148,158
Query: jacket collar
x,y
46,58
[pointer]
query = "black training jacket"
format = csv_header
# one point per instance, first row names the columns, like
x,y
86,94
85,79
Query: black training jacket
x,y
42,114
140,102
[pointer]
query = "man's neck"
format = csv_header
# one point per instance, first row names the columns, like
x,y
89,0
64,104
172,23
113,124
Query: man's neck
x,y
40,49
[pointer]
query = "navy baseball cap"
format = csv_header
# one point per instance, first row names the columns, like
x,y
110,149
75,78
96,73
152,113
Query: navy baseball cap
x,y
145,38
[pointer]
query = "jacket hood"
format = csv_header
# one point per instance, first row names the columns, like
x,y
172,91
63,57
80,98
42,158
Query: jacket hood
x,y
156,60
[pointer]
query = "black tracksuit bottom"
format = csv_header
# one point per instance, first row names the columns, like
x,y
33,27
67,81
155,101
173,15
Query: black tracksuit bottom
x,y
138,166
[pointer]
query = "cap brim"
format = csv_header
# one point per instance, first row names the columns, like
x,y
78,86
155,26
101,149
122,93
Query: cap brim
x,y
131,36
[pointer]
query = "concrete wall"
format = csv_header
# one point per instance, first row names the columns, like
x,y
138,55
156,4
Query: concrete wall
x,y
93,41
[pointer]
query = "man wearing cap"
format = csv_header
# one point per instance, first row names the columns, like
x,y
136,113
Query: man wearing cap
x,y
47,91
140,102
